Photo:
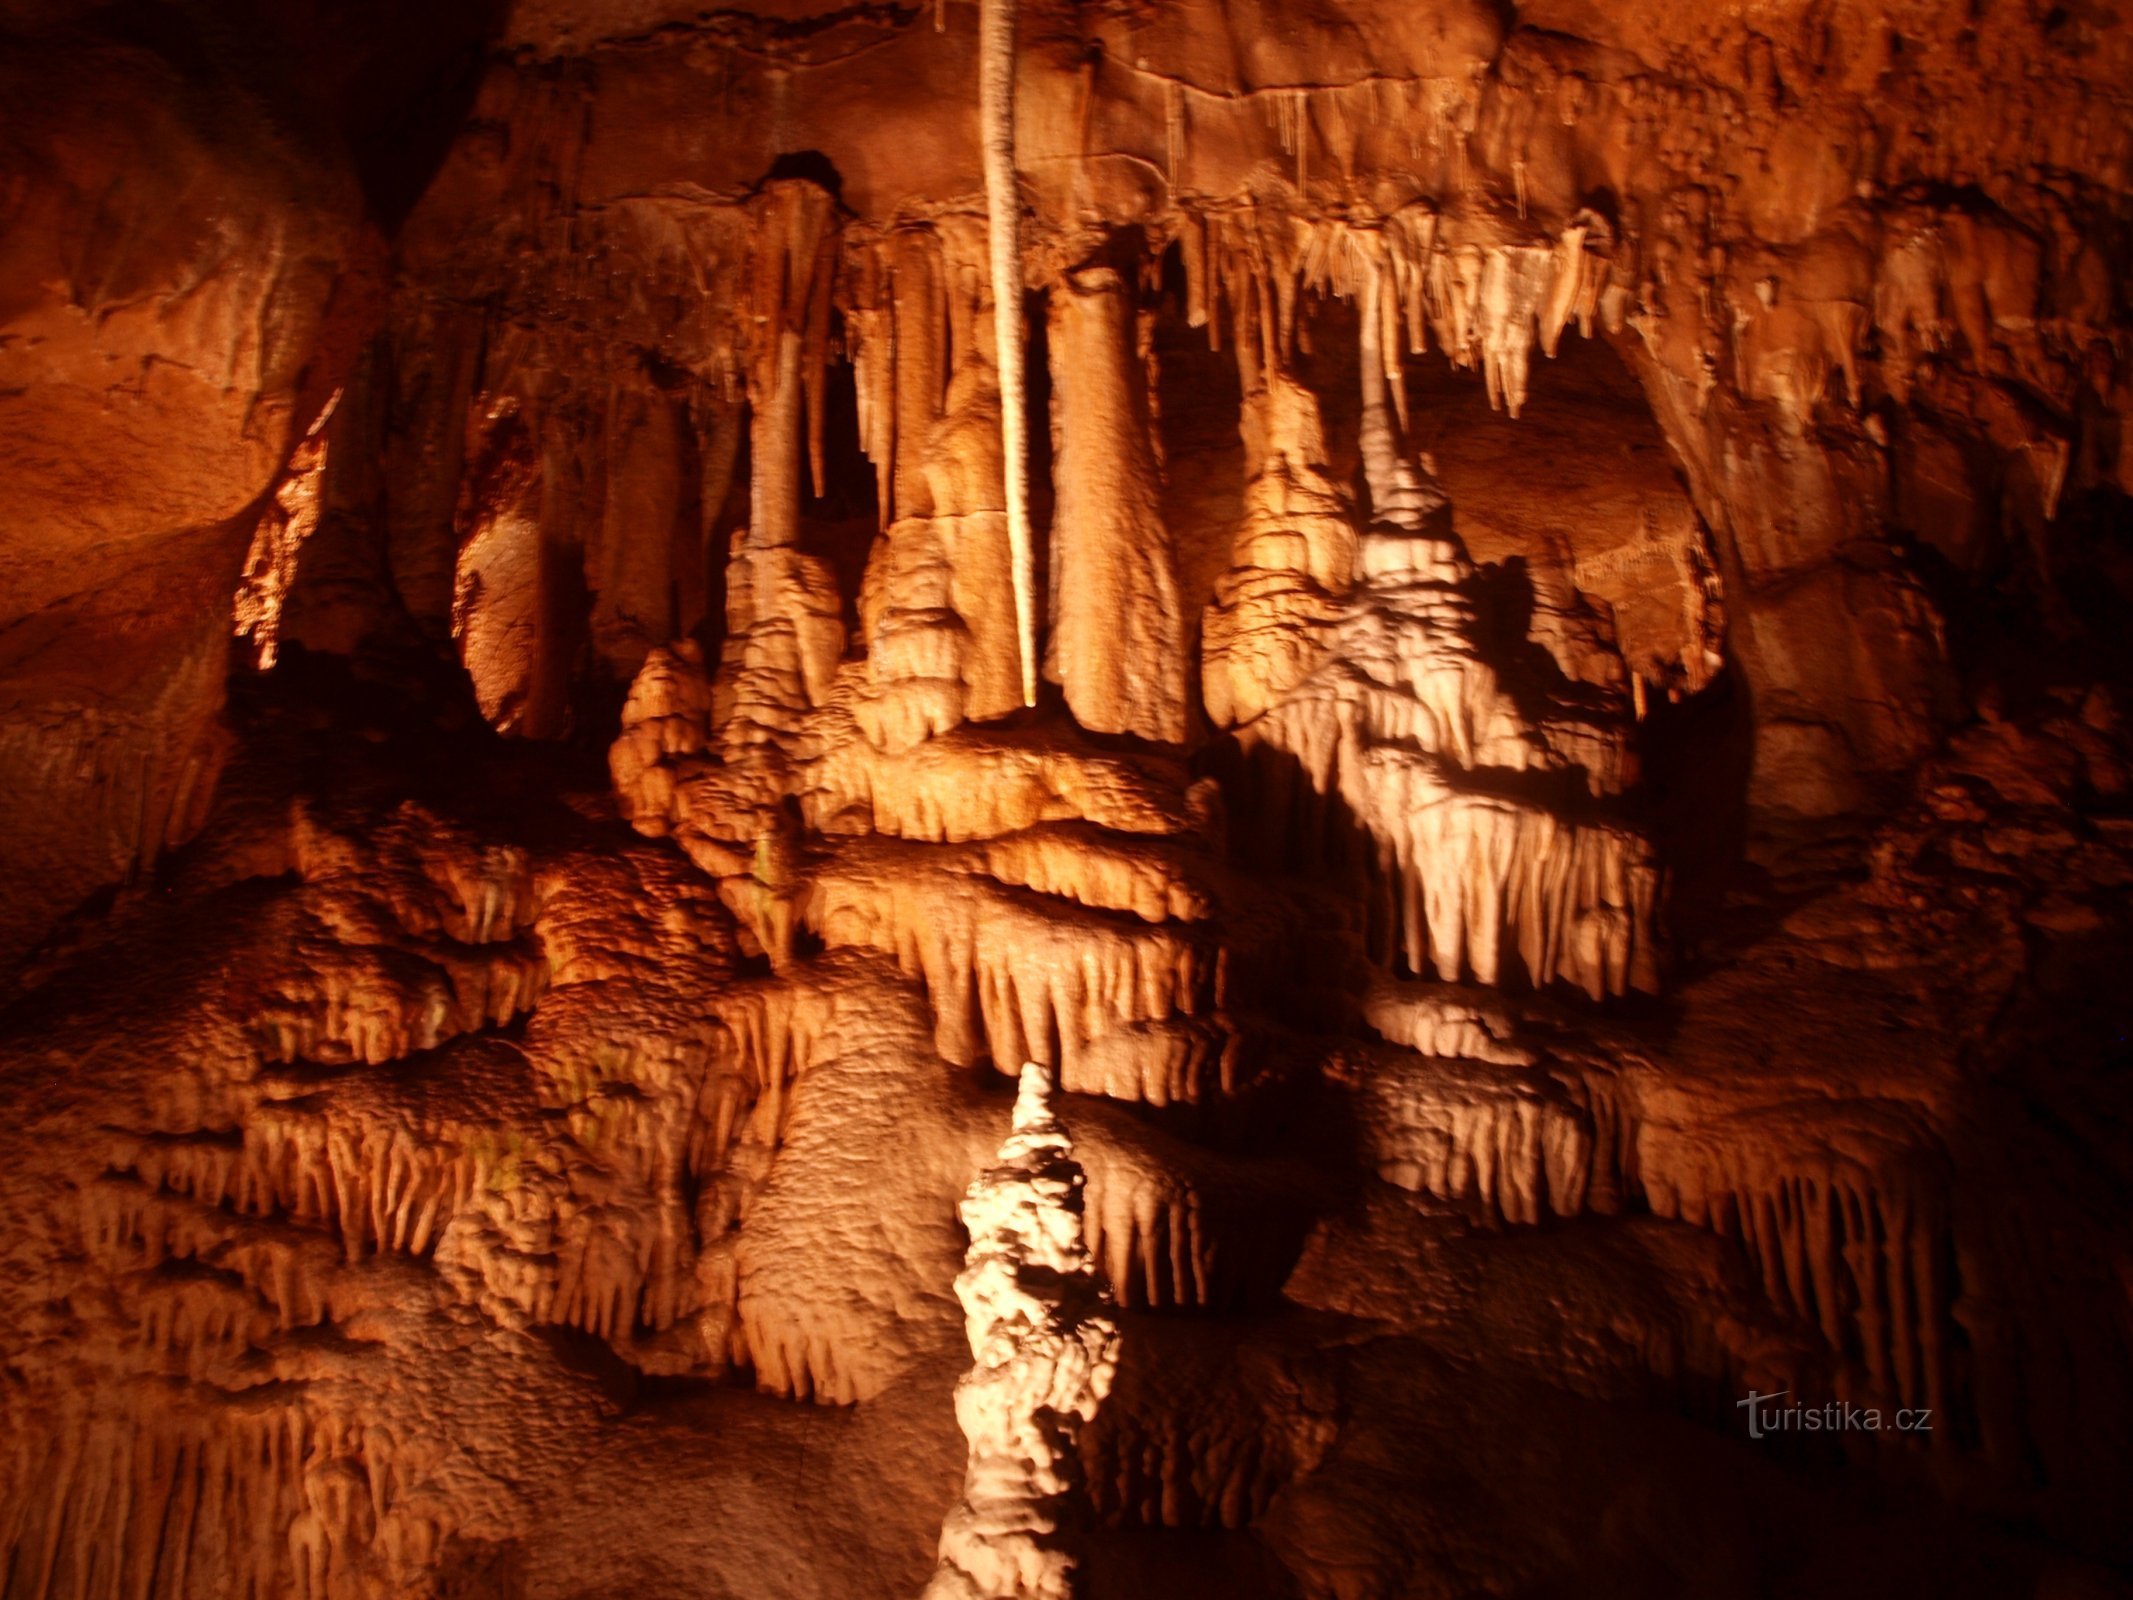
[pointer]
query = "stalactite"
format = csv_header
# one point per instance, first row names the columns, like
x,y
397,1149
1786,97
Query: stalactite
x,y
1176,1227
1199,293
1840,1209
774,460
814,365
1173,132
1185,1471
1519,1147
1567,287
1291,110
1388,710
919,305
1399,497
1126,1009
1512,283
867,301
374,1007
1003,206
1846,1220
195,1500
794,257
290,518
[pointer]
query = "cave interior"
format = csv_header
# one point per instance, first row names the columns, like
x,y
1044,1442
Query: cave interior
x,y
1321,800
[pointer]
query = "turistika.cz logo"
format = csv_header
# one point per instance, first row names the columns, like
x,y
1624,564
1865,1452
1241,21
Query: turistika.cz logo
x,y
1769,1414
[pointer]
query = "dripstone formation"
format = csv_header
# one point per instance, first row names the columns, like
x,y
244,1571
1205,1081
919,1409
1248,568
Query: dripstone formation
x,y
1483,643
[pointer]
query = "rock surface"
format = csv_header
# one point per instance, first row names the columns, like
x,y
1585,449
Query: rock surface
x,y
1566,863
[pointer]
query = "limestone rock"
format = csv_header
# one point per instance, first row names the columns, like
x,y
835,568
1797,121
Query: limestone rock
x,y
1118,645
1637,493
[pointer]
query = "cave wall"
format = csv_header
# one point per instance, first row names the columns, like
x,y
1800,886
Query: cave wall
x,y
195,199
1878,330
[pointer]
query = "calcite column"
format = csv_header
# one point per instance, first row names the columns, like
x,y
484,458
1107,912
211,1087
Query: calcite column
x,y
1119,639
785,632
774,447
794,637
938,607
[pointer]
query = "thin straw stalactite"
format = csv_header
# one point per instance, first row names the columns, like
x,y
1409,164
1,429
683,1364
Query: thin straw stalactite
x,y
1003,204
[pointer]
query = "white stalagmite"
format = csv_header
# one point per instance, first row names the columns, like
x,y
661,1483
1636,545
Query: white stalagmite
x,y
1003,206
1045,1349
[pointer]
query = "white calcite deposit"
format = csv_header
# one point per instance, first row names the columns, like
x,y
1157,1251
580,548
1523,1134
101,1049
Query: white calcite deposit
x,y
1044,1349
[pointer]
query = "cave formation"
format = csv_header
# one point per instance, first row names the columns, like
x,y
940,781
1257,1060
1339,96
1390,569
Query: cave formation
x,y
1308,801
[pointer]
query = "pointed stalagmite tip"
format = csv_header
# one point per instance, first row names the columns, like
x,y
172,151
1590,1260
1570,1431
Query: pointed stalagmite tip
x,y
1033,1095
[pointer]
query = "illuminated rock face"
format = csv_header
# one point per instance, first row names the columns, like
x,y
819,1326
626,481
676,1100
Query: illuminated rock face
x,y
1118,633
1044,1353
1490,634
1385,708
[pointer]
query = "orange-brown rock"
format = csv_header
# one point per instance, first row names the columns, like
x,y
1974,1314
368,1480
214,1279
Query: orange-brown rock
x,y
1365,799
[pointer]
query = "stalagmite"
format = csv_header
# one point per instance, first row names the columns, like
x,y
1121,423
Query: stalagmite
x,y
843,1265
1045,1349
1003,209
667,713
